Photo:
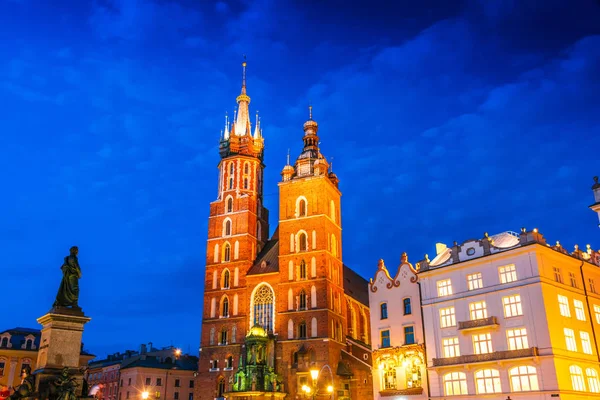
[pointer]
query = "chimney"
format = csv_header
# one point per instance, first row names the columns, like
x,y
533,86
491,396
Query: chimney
x,y
143,349
596,189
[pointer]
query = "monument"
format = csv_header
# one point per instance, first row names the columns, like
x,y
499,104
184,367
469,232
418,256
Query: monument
x,y
58,375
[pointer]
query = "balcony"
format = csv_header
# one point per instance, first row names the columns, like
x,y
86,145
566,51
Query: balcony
x,y
402,392
496,355
478,323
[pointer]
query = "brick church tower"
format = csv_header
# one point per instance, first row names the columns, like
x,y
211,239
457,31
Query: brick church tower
x,y
277,310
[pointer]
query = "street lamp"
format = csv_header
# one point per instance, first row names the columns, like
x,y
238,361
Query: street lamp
x,y
145,395
314,374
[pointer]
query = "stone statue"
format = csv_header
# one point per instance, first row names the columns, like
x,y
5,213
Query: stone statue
x,y
68,292
27,386
65,386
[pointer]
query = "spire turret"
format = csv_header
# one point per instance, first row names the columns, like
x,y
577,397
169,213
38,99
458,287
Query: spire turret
x,y
226,135
257,133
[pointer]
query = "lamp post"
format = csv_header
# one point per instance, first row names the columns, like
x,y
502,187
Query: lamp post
x,y
145,395
314,374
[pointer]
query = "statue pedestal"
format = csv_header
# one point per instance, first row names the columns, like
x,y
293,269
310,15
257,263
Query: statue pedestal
x,y
60,347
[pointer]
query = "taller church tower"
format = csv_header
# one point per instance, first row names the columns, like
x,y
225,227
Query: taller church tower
x,y
238,229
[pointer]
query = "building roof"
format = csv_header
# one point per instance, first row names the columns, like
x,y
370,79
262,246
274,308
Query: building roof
x,y
18,335
267,260
356,286
505,241
186,363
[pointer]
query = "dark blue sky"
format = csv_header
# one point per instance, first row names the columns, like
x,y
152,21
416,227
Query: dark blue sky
x,y
445,121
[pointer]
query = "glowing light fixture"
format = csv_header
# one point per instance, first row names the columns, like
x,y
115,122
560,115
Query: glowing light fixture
x,y
145,395
330,389
314,373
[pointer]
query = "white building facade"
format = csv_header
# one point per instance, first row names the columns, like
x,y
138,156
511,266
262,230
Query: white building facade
x,y
399,369
508,315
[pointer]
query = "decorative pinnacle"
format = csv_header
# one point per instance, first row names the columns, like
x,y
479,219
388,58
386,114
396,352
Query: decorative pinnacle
x,y
288,157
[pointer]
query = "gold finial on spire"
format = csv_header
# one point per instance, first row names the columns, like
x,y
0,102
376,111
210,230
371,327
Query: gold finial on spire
x,y
309,111
244,75
288,157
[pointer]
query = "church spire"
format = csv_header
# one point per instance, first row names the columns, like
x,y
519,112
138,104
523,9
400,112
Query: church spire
x,y
226,136
242,122
257,132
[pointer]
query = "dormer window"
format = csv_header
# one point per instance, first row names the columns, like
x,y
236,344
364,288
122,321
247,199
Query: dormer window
x,y
4,342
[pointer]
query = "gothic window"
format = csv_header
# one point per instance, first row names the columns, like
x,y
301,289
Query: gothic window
x,y
302,239
229,362
231,182
229,204
262,309
302,301
302,330
246,168
226,279
221,388
231,168
302,270
226,252
227,228
302,208
223,338
225,307
245,183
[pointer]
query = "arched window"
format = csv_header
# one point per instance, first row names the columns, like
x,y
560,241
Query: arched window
x,y
313,327
313,297
229,204
223,338
302,270
225,307
225,279
302,242
592,379
302,330
229,362
245,183
216,255
221,388
290,299
227,227
523,378
577,378
28,344
4,341
455,383
213,307
291,330
332,210
235,305
231,182
262,310
226,252
488,381
302,300
407,307
231,167
302,208
246,168
334,247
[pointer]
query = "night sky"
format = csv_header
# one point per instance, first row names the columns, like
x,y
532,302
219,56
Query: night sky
x,y
445,120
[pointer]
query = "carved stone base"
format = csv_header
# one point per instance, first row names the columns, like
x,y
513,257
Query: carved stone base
x,y
45,378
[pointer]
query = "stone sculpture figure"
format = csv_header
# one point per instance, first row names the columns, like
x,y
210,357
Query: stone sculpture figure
x,y
65,386
27,386
68,292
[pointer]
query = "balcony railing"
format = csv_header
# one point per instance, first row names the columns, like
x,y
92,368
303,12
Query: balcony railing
x,y
477,323
496,355
402,392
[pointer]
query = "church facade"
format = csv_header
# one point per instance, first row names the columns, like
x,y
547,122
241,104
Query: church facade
x,y
283,316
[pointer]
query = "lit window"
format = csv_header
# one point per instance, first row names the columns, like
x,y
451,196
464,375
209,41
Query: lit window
x,y
517,339
570,339
409,335
508,273
557,275
577,378
407,306
563,303
478,310
586,345
474,281
512,306
447,317
482,343
592,285
383,308
385,338
455,383
592,379
573,279
597,313
579,310
488,381
444,287
451,347
523,379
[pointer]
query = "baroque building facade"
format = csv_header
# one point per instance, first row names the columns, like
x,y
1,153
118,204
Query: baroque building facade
x,y
510,316
397,330
277,308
